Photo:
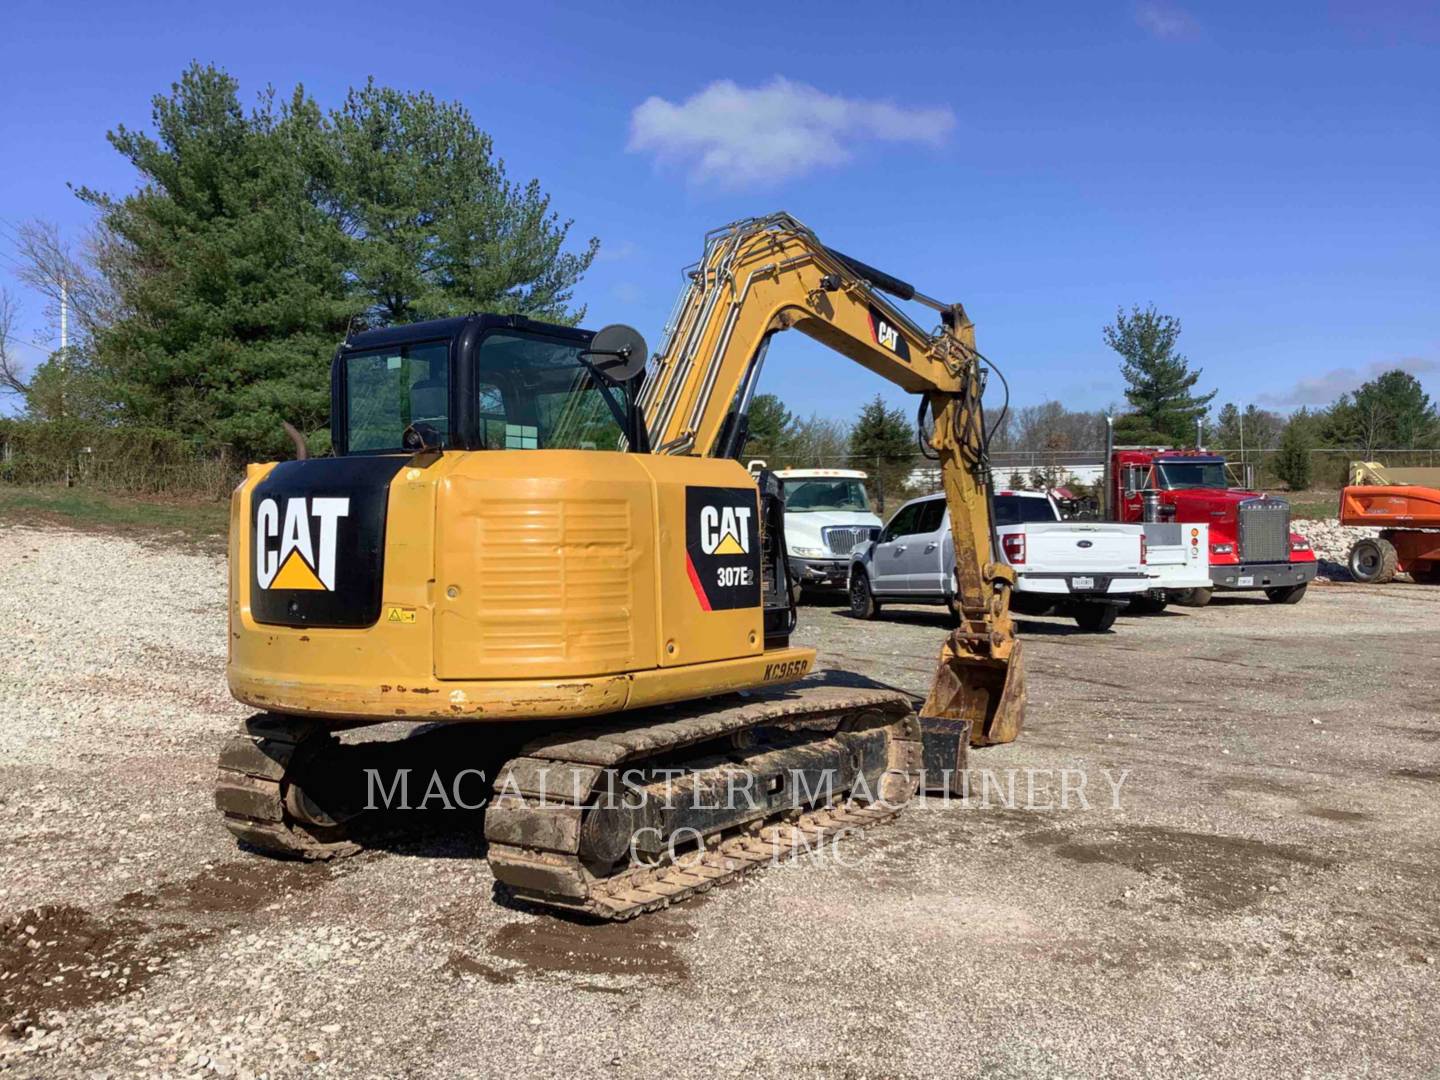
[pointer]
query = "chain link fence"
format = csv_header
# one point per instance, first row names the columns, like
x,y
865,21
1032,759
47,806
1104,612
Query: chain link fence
x,y
893,480
159,462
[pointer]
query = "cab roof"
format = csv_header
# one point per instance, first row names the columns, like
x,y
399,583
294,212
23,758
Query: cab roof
x,y
821,474
436,329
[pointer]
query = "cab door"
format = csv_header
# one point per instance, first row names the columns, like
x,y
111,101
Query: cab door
x,y
888,568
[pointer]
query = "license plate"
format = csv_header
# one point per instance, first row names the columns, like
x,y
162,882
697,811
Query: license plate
x,y
1082,583
1245,582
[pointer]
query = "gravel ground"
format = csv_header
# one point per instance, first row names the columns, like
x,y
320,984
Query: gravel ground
x,y
1263,899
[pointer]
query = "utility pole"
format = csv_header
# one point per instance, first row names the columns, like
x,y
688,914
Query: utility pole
x,y
1242,445
64,317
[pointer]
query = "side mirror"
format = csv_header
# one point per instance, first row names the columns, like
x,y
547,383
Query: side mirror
x,y
618,352
420,437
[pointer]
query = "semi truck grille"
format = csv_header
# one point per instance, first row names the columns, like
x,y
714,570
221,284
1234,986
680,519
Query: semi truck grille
x,y
1265,530
841,539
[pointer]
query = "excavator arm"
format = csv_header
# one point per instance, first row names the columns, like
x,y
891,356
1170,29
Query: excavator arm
x,y
764,275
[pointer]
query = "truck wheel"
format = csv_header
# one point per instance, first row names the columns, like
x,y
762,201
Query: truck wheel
x,y
1373,561
1096,618
1287,594
952,605
863,604
1148,605
1193,597
796,591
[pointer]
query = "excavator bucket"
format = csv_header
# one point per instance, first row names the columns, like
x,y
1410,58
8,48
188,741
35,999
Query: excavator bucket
x,y
987,689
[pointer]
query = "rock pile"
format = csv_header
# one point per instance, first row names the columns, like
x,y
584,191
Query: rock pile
x,y
1332,542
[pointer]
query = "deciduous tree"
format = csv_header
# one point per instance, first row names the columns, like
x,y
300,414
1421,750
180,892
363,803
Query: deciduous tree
x,y
1391,411
12,378
1254,429
821,441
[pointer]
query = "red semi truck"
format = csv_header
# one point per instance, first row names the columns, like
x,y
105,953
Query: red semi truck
x,y
1251,544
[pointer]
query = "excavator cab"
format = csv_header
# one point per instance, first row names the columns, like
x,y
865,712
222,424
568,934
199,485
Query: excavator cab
x,y
486,383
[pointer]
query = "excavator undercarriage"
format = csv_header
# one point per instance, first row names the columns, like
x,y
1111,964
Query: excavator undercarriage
x,y
614,819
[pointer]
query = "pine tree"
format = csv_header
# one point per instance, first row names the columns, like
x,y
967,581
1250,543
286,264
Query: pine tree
x,y
1159,378
771,432
1292,460
233,278
435,227
258,238
883,443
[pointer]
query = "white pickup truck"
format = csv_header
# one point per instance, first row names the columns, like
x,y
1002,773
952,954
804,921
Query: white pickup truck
x,y
1094,568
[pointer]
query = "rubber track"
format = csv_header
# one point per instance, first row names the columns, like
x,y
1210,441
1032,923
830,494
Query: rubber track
x,y
534,843
254,768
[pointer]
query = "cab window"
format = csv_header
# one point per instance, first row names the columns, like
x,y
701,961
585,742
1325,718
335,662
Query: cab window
x,y
931,514
903,523
534,393
807,494
1194,474
389,390
1018,510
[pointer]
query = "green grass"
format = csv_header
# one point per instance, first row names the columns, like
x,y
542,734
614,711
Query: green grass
x,y
1313,504
1312,511
198,521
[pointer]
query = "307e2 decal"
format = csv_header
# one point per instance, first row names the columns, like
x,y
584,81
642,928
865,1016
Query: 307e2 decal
x,y
722,547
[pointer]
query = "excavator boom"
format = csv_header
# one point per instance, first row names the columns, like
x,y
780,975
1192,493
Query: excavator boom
x,y
760,276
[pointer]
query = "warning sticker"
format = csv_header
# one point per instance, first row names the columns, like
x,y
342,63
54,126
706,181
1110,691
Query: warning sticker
x,y
400,614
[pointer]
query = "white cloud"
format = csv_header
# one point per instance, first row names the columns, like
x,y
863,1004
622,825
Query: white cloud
x,y
740,137
619,252
1323,389
1165,20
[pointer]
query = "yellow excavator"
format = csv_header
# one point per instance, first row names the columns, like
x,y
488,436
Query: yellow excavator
x,y
545,532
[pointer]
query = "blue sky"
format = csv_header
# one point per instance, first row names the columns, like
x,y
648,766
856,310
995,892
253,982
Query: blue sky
x,y
1270,173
